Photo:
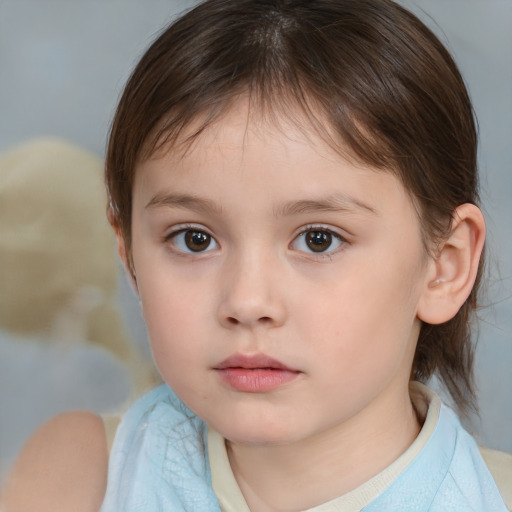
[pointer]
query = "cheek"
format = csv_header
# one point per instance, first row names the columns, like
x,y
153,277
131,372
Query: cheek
x,y
365,318
175,319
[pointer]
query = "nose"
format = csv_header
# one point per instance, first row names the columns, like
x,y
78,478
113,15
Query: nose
x,y
251,294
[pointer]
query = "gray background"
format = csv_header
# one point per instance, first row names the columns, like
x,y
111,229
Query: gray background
x,y
63,64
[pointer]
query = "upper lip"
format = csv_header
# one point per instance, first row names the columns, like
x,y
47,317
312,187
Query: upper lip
x,y
253,361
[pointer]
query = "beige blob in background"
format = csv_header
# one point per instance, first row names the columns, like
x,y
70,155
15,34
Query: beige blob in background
x,y
62,342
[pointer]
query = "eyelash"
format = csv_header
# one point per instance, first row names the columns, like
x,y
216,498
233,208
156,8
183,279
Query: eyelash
x,y
334,237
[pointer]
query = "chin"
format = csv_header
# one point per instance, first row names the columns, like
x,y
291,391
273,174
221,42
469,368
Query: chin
x,y
257,434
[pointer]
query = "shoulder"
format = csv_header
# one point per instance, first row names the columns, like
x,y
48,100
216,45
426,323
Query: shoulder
x,y
500,466
468,483
63,466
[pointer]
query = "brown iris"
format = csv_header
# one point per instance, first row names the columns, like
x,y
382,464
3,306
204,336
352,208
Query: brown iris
x,y
197,241
318,241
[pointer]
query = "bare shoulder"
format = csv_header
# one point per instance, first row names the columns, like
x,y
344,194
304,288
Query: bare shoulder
x,y
63,466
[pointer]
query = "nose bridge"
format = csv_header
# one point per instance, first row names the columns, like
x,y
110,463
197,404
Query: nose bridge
x,y
250,289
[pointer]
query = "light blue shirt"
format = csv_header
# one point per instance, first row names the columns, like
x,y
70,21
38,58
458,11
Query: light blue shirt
x,y
159,463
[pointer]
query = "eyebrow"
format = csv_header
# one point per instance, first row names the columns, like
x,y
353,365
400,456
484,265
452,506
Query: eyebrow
x,y
334,203
185,201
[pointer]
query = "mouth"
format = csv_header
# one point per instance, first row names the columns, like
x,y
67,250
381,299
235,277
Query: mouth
x,y
254,373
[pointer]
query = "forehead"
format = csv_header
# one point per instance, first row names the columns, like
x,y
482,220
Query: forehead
x,y
242,127
249,113
246,121
244,150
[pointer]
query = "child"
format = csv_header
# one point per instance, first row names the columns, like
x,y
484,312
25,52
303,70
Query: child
x,y
293,186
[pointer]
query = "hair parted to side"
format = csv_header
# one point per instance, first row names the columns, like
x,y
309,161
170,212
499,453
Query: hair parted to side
x,y
366,75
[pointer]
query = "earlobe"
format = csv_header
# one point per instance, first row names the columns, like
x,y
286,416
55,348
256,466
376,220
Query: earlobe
x,y
454,268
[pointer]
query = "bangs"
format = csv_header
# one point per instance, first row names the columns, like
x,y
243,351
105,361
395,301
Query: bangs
x,y
179,129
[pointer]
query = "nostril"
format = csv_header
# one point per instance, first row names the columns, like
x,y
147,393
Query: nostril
x,y
264,320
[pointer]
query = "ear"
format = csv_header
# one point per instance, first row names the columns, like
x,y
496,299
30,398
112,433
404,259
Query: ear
x,y
453,270
121,249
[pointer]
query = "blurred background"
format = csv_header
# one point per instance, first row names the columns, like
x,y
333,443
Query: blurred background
x,y
71,331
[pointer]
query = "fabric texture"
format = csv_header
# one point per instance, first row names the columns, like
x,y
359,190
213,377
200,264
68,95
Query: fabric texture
x,y
500,466
159,462
448,474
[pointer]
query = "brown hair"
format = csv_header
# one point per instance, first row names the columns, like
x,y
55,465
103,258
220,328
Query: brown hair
x,y
371,79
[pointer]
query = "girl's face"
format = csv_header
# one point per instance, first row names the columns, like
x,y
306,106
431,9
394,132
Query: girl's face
x,y
280,283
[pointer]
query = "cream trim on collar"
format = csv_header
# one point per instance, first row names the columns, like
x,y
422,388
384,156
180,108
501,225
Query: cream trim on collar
x,y
230,497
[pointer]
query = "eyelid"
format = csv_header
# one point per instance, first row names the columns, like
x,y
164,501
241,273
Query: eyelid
x,y
186,226
320,227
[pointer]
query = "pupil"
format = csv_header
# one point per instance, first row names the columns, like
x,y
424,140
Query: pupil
x,y
197,240
318,241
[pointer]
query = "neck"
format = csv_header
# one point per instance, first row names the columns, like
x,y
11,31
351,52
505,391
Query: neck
x,y
309,472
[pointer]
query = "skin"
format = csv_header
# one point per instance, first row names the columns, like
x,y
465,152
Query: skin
x,y
346,320
63,467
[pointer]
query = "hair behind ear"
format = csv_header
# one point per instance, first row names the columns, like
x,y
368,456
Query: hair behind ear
x,y
449,301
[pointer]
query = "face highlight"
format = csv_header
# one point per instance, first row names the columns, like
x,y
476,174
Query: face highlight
x,y
279,282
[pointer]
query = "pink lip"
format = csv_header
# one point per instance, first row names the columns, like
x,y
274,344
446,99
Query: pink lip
x,y
254,374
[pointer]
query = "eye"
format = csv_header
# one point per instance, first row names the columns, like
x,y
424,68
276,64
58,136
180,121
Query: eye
x,y
192,241
316,240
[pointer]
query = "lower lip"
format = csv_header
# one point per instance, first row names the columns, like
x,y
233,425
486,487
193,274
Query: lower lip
x,y
256,380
